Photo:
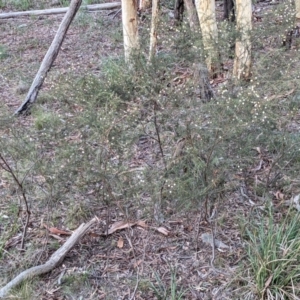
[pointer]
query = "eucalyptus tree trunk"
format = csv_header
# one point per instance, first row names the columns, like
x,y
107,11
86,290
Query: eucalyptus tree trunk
x,y
242,60
153,32
297,5
208,24
144,4
130,28
192,15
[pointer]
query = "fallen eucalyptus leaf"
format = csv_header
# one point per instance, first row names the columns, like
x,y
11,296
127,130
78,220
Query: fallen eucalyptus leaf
x,y
120,242
162,230
119,225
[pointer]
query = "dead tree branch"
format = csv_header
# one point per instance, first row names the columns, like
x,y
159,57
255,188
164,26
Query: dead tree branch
x,y
49,57
56,258
56,11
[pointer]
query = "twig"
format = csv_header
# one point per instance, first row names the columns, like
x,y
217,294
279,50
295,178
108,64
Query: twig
x,y
197,236
158,135
213,247
271,169
205,175
8,169
136,286
115,13
206,208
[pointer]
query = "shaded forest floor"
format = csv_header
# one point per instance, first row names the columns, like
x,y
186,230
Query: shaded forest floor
x,y
72,167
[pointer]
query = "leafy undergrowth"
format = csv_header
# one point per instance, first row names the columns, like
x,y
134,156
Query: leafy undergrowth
x,y
139,144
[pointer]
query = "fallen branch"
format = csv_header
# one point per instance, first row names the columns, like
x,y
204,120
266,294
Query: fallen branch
x,y
56,258
49,57
62,10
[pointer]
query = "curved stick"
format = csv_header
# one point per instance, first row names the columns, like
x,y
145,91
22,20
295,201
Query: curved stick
x,y
56,258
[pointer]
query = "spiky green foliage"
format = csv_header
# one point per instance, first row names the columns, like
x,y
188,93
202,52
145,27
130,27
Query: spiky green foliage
x,y
274,257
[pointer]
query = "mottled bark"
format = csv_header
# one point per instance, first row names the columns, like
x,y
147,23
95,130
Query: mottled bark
x,y
208,24
242,61
144,4
297,6
153,32
192,15
202,81
130,28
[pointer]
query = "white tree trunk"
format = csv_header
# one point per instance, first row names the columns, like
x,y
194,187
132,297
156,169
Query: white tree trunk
x,y
208,24
144,4
130,28
192,15
297,5
153,32
242,61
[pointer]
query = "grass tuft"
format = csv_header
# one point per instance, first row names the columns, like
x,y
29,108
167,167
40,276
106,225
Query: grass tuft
x,y
274,256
